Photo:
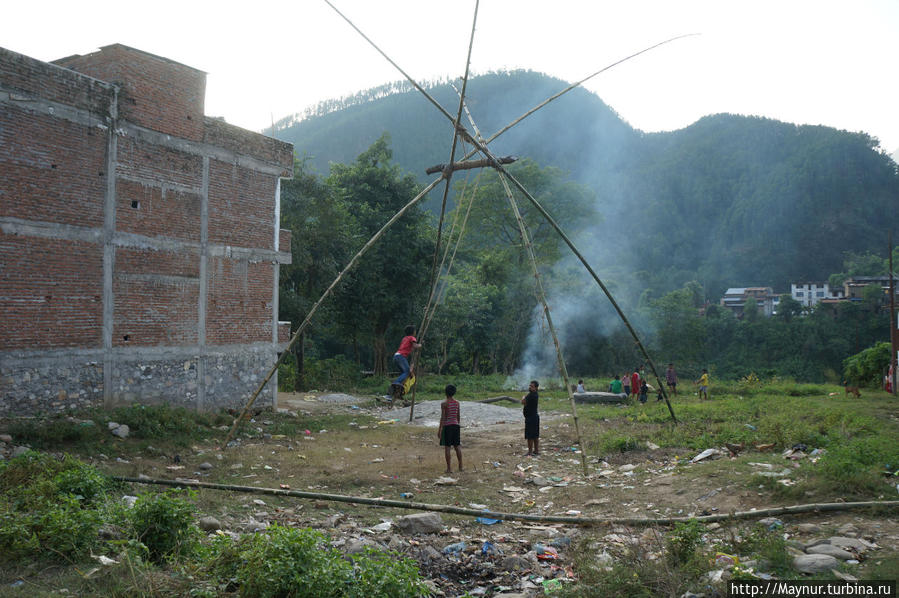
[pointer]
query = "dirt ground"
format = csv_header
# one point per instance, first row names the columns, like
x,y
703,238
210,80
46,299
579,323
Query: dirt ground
x,y
382,455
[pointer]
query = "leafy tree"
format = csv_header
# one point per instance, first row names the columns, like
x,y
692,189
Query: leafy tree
x,y
389,284
788,308
322,231
866,368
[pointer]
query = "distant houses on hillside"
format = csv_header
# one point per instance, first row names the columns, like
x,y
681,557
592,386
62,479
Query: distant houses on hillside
x,y
808,294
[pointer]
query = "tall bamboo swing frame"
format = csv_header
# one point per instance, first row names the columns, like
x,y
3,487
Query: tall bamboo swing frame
x,y
480,146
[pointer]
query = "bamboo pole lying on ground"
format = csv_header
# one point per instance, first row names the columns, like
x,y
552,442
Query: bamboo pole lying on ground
x,y
887,505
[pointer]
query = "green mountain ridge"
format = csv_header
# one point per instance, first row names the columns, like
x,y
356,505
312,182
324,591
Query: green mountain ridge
x,y
728,201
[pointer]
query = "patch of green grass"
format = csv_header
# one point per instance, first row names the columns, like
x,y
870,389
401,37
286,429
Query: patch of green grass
x,y
55,431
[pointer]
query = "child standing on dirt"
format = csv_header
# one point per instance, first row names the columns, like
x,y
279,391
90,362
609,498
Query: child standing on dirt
x,y
531,419
450,427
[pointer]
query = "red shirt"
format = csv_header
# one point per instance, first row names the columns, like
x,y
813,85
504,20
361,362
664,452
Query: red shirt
x,y
451,413
635,382
406,346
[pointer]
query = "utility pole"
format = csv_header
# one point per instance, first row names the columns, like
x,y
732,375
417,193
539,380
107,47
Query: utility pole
x,y
894,335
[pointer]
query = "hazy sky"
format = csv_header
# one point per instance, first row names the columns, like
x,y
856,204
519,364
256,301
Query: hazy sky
x,y
804,61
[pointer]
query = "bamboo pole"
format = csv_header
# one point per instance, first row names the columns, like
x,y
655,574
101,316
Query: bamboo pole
x,y
596,278
541,296
888,505
308,319
448,175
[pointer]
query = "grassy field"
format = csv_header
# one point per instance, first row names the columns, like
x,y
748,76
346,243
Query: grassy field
x,y
54,500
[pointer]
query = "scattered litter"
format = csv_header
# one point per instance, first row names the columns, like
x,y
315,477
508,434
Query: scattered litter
x,y
561,542
712,452
105,560
751,427
487,520
546,553
454,548
445,481
284,486
406,495
382,527
376,460
515,489
478,506
725,560
551,586
388,421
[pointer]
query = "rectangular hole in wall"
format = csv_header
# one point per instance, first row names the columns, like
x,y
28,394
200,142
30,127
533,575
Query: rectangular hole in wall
x,y
135,204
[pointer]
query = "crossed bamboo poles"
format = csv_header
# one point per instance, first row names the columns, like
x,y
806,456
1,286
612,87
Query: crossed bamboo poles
x,y
480,146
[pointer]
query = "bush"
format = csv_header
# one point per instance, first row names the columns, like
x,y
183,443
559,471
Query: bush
x,y
299,563
856,464
83,482
164,523
865,368
55,431
683,541
46,507
165,422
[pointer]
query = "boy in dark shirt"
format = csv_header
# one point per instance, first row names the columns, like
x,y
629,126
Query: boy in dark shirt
x,y
531,419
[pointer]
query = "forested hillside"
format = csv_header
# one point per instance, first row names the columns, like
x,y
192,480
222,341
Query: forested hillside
x,y
727,201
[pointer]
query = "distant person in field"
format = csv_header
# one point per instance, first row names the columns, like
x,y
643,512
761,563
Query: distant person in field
x,y
401,357
635,381
449,431
703,383
615,385
671,379
626,383
580,386
644,388
531,419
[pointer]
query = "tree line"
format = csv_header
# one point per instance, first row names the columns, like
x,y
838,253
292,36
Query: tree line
x,y
486,319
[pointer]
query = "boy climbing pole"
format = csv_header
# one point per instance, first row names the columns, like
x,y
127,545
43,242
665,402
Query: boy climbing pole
x,y
401,359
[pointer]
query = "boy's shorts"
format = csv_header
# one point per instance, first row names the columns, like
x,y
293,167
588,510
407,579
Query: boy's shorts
x,y
532,427
451,435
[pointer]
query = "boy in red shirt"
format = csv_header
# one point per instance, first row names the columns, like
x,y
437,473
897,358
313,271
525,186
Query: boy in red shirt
x,y
401,357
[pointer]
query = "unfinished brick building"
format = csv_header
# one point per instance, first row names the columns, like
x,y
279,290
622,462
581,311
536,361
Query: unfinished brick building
x,y
139,239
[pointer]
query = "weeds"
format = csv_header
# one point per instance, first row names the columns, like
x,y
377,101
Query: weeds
x,y
164,524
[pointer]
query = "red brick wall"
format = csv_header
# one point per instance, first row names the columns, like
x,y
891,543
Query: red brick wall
x,y
238,215
139,159
56,131
147,209
156,93
52,293
52,170
240,302
33,78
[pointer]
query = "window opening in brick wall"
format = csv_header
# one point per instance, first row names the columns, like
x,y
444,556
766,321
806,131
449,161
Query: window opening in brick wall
x,y
135,204
127,337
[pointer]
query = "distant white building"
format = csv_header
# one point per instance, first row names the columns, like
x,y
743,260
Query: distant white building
x,y
735,299
810,294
